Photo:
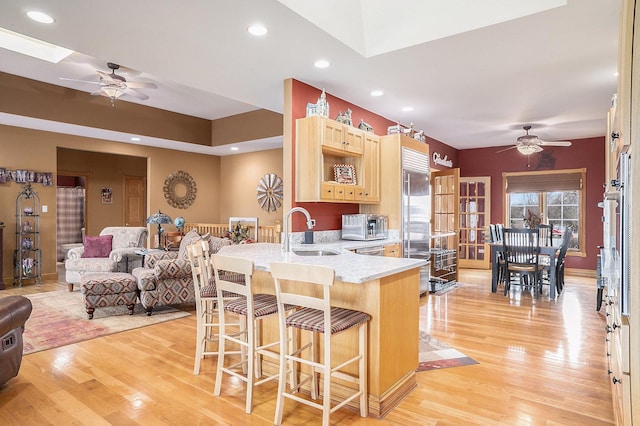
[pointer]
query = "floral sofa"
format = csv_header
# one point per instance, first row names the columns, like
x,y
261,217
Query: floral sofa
x,y
165,278
99,255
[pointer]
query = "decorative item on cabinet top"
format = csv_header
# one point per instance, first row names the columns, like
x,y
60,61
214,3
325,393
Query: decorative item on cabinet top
x,y
344,118
270,192
180,190
320,108
365,126
410,132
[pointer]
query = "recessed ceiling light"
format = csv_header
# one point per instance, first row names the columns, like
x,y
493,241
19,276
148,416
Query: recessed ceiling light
x,y
257,30
32,47
135,139
234,148
407,109
321,63
41,17
377,93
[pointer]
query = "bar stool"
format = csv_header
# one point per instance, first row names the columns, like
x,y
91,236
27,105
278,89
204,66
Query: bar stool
x,y
319,317
253,307
206,296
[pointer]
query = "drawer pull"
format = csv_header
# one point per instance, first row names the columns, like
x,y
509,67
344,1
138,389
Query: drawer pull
x,y
615,380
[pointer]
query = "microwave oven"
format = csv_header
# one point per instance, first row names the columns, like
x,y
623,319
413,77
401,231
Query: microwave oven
x,y
364,227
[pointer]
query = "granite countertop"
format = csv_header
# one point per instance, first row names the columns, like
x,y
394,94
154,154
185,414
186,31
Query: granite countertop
x,y
349,267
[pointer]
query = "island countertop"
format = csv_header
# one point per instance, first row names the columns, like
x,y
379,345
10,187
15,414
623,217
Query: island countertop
x,y
349,267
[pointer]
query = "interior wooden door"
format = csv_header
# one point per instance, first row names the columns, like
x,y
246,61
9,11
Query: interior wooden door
x,y
135,203
475,214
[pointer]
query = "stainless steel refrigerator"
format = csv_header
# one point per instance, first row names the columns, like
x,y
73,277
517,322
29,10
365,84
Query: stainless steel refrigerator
x,y
416,210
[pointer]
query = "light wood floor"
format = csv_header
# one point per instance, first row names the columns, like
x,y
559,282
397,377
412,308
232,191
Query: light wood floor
x,y
540,362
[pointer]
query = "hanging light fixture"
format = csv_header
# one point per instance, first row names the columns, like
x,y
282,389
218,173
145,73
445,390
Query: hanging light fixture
x,y
528,149
113,92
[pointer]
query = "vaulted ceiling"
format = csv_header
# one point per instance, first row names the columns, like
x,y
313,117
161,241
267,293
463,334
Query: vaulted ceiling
x,y
473,72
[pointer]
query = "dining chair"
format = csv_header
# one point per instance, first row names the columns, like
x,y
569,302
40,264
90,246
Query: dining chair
x,y
206,295
560,261
496,231
546,234
253,308
521,251
296,284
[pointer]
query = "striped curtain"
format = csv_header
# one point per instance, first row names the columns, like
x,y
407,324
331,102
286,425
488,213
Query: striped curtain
x,y
70,206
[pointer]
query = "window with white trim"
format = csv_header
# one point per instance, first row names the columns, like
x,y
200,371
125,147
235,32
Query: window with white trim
x,y
556,197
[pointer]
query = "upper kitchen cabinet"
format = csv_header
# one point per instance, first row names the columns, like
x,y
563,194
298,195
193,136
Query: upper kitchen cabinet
x,y
322,144
338,137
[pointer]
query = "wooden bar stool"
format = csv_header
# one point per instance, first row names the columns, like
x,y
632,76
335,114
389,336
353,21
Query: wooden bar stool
x,y
253,307
206,296
319,317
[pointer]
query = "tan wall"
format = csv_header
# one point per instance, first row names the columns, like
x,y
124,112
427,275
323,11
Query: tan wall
x,y
102,171
36,150
249,126
31,98
240,175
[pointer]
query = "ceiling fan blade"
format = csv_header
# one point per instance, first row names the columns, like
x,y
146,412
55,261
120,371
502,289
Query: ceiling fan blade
x,y
555,143
506,149
141,85
107,77
132,92
79,81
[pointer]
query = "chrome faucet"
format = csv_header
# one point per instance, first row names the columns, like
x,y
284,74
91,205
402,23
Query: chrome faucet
x,y
285,234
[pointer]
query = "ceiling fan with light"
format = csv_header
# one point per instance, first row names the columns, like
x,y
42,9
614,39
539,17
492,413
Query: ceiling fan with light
x,y
114,85
530,144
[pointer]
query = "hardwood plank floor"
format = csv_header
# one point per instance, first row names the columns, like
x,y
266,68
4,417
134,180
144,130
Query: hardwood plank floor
x,y
540,362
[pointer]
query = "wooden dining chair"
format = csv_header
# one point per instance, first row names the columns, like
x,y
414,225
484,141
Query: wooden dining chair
x,y
295,284
206,295
253,308
496,231
522,252
546,234
566,238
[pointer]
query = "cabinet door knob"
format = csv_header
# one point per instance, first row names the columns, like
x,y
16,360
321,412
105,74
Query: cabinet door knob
x,y
615,380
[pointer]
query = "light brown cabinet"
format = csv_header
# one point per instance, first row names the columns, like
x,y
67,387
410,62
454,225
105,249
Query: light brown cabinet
x,y
392,250
322,143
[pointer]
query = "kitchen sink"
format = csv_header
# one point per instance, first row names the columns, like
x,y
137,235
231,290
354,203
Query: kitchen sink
x,y
302,252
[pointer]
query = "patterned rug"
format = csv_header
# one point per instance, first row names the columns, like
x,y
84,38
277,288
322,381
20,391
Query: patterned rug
x,y
436,355
59,318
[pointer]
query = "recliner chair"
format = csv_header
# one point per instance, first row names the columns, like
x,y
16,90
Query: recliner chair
x,y
14,312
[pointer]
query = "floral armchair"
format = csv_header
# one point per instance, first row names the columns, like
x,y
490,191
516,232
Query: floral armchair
x,y
165,278
98,255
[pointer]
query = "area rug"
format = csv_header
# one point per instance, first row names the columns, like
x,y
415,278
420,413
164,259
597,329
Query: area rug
x,y
436,355
59,318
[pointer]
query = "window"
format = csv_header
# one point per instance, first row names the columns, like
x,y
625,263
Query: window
x,y
556,197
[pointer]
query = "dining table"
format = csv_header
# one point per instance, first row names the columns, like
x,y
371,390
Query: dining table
x,y
550,251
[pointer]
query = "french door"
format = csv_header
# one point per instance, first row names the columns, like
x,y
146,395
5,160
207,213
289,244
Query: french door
x,y
475,214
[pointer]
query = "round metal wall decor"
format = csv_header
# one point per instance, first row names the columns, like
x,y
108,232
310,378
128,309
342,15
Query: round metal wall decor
x,y
180,190
270,192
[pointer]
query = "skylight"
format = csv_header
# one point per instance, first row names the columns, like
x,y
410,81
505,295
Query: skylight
x,y
32,47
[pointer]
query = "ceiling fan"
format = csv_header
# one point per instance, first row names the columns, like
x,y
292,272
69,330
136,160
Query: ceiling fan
x,y
529,144
114,85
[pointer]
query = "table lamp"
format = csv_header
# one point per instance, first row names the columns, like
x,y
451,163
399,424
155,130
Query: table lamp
x,y
159,218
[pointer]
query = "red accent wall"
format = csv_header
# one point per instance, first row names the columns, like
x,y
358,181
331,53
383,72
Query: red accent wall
x,y
584,153
328,216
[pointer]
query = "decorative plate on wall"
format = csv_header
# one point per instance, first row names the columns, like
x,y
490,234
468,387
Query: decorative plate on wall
x,y
180,190
270,192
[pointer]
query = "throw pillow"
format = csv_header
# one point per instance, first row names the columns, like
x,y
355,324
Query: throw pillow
x,y
97,246
216,244
191,237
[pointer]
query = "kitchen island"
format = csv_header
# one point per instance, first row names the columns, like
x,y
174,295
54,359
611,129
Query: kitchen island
x,y
386,288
